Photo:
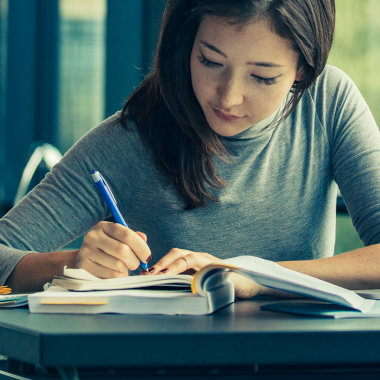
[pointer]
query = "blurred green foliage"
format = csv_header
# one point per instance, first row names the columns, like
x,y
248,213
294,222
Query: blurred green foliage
x,y
356,50
347,238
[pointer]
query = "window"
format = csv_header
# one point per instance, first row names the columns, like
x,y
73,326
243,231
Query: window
x,y
81,68
64,66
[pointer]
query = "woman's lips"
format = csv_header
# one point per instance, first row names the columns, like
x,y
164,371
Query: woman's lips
x,y
225,116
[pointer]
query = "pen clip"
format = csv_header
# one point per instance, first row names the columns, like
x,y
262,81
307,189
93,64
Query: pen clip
x,y
108,188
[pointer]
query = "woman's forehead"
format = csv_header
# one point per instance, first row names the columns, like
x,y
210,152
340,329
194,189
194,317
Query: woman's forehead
x,y
254,40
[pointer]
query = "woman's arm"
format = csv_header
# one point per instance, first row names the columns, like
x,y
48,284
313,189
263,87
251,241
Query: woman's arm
x,y
108,250
358,269
36,269
63,207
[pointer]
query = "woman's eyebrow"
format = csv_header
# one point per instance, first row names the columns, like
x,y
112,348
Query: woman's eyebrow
x,y
261,64
212,47
264,64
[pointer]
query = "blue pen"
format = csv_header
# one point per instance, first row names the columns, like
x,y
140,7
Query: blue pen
x,y
109,198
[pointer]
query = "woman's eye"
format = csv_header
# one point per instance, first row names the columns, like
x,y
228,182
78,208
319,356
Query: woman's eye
x,y
266,81
206,62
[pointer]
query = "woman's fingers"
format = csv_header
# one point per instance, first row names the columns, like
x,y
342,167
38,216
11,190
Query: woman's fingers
x,y
110,250
142,235
181,260
103,259
170,263
102,271
132,239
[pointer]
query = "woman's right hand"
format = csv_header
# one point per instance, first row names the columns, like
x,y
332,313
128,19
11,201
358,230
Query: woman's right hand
x,y
112,250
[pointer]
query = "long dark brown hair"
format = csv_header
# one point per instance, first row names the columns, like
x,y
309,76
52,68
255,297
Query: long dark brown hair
x,y
164,108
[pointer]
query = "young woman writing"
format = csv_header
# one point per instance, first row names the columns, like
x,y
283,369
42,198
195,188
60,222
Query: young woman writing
x,y
232,145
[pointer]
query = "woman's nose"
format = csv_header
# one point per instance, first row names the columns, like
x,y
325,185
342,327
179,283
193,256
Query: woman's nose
x,y
231,92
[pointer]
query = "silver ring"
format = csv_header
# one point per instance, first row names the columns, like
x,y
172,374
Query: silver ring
x,y
187,265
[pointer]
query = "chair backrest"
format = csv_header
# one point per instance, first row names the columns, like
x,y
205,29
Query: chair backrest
x,y
43,158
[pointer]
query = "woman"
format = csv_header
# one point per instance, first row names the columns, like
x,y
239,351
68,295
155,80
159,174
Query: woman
x,y
230,146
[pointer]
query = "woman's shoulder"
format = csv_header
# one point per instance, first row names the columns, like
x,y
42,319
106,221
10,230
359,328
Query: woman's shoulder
x,y
332,81
115,127
338,103
111,134
108,145
331,71
333,90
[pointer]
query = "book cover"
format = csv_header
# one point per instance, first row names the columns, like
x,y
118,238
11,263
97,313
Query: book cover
x,y
321,309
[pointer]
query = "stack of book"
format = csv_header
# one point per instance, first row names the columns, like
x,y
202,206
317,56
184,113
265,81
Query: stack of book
x,y
208,290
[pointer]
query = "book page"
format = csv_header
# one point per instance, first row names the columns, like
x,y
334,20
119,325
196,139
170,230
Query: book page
x,y
271,274
81,280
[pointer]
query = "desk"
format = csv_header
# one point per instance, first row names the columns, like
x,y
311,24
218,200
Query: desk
x,y
239,340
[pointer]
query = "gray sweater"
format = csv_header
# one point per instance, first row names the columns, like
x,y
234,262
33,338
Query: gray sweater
x,y
279,204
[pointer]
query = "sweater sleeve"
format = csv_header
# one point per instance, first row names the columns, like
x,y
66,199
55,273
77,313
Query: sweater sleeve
x,y
65,204
355,153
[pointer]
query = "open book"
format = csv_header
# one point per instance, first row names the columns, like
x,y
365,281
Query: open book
x,y
79,292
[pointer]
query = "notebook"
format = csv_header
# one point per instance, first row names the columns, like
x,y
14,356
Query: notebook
x,y
322,309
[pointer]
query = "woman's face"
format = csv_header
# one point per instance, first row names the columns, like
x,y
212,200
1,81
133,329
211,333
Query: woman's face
x,y
240,76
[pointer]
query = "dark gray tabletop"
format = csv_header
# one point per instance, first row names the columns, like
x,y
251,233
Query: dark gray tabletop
x,y
240,334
